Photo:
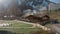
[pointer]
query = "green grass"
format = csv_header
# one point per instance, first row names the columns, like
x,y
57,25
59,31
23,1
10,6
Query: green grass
x,y
20,30
26,30
17,24
23,27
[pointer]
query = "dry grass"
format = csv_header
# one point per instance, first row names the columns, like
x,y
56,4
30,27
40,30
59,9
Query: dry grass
x,y
41,32
55,15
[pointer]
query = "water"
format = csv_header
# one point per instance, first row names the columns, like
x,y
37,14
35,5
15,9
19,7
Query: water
x,y
5,32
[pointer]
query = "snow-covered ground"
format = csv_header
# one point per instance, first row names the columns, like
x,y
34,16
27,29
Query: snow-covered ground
x,y
4,24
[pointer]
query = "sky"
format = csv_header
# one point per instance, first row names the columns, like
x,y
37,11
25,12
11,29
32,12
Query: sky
x,y
56,1
7,2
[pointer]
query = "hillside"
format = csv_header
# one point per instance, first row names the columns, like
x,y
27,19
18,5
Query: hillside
x,y
52,6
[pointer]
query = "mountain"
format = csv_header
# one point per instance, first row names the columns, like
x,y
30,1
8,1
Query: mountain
x,y
52,6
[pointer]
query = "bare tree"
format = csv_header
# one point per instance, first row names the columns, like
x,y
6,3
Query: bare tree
x,y
48,6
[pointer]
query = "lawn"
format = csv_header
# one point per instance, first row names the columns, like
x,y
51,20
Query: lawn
x,y
20,30
19,27
16,23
